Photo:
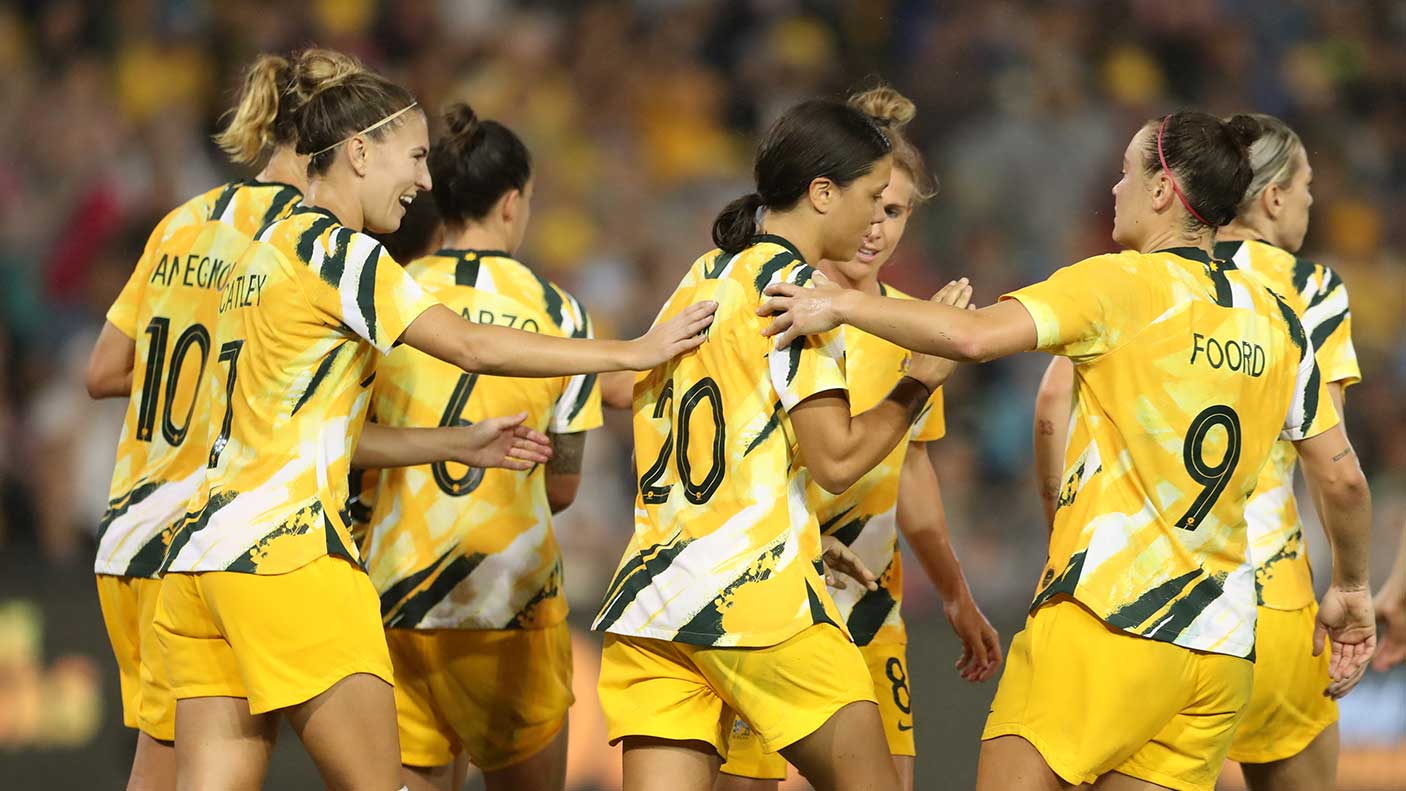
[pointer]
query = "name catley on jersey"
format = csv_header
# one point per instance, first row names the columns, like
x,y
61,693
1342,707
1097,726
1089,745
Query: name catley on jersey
x,y
864,516
1318,296
459,548
725,550
1186,373
169,306
302,319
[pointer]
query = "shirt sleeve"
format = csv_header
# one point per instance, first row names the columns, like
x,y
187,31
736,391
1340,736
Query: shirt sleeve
x,y
931,423
810,365
1086,310
1328,322
362,288
1311,412
578,407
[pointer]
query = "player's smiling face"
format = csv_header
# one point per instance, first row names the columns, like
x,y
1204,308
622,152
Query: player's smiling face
x,y
396,172
883,236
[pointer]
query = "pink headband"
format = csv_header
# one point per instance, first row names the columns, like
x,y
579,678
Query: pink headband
x,y
1172,178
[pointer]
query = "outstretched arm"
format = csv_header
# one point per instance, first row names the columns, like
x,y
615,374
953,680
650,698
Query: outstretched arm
x,y
495,442
928,327
1053,403
923,523
500,351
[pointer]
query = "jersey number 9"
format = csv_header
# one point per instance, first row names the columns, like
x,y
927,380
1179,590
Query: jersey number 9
x,y
1213,477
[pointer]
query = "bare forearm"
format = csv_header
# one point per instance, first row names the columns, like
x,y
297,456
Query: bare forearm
x,y
839,455
923,523
941,330
1052,406
386,446
501,351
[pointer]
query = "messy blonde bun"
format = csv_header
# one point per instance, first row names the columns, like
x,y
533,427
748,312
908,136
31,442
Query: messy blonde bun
x,y
273,89
893,111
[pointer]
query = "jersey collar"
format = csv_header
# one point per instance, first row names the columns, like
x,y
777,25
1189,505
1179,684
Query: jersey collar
x,y
781,241
1199,255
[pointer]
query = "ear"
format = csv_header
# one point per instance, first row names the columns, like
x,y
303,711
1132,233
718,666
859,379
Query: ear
x,y
1273,200
823,193
1161,191
358,153
508,205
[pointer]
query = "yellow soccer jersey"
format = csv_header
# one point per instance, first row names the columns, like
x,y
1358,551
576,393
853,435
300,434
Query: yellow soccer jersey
x,y
863,517
1186,373
725,550
1318,296
460,548
294,355
169,307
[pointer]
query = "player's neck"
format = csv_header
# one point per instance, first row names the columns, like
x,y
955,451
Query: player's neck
x,y
323,194
795,229
869,284
285,166
1175,237
475,237
1246,229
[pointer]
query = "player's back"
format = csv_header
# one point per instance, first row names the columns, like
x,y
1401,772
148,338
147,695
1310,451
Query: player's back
x,y
725,550
454,547
169,307
1187,371
1283,579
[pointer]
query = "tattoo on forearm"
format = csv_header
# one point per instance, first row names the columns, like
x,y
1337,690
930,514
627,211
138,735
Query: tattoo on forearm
x,y
1342,454
1047,427
567,450
913,395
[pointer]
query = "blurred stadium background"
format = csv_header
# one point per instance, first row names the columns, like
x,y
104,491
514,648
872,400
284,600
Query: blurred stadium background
x,y
642,116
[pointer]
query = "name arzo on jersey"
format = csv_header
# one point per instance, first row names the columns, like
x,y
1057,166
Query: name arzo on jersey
x,y
192,270
244,291
1245,357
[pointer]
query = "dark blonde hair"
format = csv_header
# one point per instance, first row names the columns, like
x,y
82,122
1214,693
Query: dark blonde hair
x,y
892,111
340,104
1271,157
269,98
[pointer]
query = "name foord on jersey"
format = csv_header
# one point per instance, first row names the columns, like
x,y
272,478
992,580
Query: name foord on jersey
x,y
1240,356
245,291
191,270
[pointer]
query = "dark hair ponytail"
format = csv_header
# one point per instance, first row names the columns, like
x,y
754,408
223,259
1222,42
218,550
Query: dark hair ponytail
x,y
1209,160
820,138
474,164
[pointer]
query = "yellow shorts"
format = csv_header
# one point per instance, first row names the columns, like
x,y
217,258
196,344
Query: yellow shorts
x,y
888,668
128,605
1287,707
1095,700
276,639
499,696
688,692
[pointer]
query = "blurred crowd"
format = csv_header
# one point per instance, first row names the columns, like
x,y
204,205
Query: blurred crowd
x,y
642,116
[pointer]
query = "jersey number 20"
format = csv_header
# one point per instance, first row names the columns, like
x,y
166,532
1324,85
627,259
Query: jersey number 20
x,y
1213,477
651,491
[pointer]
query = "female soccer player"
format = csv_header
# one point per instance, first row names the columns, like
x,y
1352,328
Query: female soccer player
x,y
263,608
1288,736
465,561
901,490
719,608
1186,372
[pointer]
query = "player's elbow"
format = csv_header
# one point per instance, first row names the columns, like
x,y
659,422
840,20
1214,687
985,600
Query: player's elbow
x,y
561,491
834,475
478,355
103,382
1345,489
